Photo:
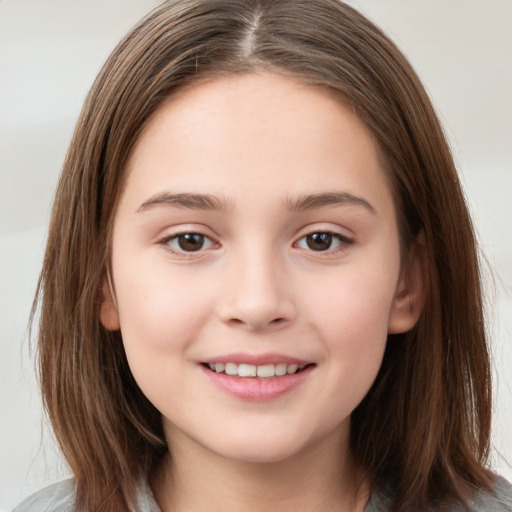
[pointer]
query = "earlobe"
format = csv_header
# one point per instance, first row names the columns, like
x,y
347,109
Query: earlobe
x,y
411,290
109,316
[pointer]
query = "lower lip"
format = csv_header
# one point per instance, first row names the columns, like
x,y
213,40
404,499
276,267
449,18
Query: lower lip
x,y
257,389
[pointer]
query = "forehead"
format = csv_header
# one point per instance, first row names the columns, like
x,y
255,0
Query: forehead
x,y
255,132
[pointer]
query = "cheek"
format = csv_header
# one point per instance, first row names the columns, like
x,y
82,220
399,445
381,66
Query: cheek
x,y
354,306
351,314
354,333
161,315
159,311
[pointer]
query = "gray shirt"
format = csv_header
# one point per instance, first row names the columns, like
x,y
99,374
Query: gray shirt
x,y
60,497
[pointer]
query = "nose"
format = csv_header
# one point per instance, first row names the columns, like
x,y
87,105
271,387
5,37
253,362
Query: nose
x,y
257,294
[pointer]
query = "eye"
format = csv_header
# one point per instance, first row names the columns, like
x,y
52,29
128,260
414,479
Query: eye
x,y
322,241
188,242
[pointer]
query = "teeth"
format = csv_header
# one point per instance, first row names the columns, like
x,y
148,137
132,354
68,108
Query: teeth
x,y
231,368
268,370
281,369
292,369
251,370
246,370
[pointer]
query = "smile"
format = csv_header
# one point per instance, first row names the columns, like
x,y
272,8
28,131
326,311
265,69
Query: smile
x,y
257,382
252,370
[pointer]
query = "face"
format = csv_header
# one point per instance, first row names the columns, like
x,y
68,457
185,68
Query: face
x,y
256,267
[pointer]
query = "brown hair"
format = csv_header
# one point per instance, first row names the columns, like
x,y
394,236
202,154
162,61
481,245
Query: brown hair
x,y
423,429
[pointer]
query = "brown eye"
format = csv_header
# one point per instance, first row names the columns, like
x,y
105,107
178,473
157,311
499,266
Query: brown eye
x,y
323,241
319,241
190,242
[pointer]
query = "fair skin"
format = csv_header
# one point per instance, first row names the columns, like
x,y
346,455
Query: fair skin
x,y
256,232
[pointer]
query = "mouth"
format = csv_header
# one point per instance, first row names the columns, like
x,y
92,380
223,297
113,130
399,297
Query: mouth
x,y
257,378
266,371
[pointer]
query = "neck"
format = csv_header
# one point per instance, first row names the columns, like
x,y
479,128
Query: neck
x,y
322,477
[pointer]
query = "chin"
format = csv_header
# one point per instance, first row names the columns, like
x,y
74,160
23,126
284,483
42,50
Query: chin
x,y
265,449
262,456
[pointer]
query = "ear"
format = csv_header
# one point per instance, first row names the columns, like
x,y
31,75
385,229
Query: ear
x,y
109,316
411,289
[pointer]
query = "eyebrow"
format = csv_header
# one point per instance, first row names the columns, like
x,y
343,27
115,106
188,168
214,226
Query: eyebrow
x,y
190,201
209,202
321,200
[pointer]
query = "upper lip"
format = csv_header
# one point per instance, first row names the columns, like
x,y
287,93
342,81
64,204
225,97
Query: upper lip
x,y
256,359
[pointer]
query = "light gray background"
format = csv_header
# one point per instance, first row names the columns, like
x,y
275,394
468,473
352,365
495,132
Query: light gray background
x,y
50,51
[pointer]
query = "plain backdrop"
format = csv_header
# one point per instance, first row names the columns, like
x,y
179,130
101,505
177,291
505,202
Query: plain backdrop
x,y
50,52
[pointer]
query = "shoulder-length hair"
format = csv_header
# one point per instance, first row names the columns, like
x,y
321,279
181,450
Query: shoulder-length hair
x,y
423,428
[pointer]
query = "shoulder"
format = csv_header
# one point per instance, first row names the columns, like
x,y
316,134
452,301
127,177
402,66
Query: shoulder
x,y
498,499
58,497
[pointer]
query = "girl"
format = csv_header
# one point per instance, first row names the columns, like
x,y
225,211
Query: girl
x,y
260,289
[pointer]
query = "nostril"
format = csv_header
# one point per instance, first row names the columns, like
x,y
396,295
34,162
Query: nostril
x,y
257,325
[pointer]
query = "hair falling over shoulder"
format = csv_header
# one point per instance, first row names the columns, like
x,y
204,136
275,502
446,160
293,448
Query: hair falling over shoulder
x,y
424,426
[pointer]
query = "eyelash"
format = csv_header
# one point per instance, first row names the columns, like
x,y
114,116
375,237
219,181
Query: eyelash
x,y
342,244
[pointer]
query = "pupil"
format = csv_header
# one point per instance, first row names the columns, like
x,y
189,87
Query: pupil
x,y
191,242
319,241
